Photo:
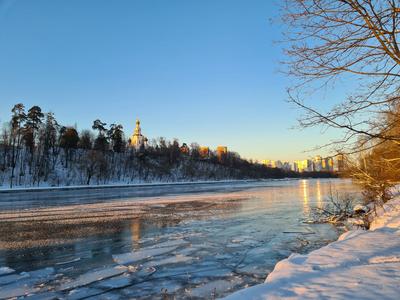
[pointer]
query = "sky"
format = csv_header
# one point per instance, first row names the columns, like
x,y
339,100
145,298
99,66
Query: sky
x,y
201,71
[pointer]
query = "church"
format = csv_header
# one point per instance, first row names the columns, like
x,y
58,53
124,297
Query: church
x,y
137,140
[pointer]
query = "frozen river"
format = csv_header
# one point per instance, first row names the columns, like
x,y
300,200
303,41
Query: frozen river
x,y
187,241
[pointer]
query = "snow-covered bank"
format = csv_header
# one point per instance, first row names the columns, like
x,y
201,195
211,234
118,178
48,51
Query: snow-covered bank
x,y
360,265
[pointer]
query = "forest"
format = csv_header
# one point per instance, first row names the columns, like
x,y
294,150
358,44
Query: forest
x,y
35,150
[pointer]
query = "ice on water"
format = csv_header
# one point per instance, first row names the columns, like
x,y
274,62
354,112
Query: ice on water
x,y
203,256
211,289
25,283
93,276
6,270
133,257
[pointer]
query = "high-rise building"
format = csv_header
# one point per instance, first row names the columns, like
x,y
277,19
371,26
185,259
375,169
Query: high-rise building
x,y
305,165
340,163
286,166
327,164
278,164
317,163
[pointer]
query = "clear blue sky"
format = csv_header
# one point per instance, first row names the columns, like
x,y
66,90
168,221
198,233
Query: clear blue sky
x,y
202,71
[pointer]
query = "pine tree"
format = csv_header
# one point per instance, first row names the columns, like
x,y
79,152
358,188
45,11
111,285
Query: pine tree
x,y
86,140
33,121
49,146
17,120
101,142
69,141
30,132
116,136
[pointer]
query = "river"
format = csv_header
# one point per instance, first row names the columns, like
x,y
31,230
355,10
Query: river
x,y
191,241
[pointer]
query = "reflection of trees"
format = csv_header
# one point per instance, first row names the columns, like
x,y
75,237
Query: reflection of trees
x,y
35,258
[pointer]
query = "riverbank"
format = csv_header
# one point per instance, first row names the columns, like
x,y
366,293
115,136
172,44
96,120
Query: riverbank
x,y
359,265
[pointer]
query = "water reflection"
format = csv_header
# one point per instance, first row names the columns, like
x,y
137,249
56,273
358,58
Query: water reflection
x,y
319,194
304,187
135,233
232,236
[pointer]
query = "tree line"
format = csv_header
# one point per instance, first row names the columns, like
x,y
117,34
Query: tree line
x,y
37,150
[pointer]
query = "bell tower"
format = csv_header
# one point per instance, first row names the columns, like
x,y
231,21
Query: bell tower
x,y
138,141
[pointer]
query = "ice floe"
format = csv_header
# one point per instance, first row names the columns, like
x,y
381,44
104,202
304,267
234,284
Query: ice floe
x,y
93,276
132,257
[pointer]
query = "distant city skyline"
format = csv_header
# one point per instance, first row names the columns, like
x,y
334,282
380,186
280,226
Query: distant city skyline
x,y
200,72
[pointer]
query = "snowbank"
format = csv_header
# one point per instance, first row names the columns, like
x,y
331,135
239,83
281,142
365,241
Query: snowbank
x,y
360,265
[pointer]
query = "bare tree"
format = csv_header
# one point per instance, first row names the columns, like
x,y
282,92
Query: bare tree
x,y
331,41
5,138
378,167
348,40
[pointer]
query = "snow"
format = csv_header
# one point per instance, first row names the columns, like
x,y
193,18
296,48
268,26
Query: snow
x,y
359,265
388,216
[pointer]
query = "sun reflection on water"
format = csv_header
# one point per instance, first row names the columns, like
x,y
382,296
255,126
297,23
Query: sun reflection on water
x,y
304,187
135,233
319,194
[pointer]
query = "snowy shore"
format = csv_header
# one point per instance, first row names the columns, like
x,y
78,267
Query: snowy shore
x,y
360,265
